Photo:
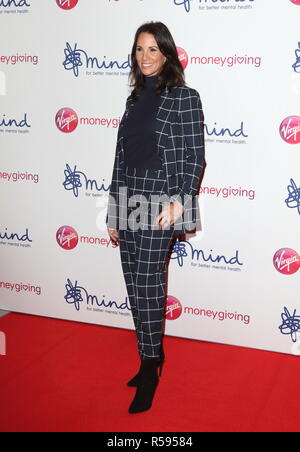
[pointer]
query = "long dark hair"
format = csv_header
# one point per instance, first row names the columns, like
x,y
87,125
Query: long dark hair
x,y
172,73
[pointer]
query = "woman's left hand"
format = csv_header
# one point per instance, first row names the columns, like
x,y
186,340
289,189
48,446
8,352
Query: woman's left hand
x,y
169,215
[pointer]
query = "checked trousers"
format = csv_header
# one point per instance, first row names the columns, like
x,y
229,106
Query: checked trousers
x,y
144,253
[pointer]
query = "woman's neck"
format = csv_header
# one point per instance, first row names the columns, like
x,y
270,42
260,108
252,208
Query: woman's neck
x,y
150,82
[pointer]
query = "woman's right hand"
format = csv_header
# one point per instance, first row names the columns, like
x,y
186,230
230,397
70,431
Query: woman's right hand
x,y
114,236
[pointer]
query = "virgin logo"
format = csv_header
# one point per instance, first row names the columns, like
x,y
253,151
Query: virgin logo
x,y
287,261
66,120
173,308
67,4
290,130
183,57
67,238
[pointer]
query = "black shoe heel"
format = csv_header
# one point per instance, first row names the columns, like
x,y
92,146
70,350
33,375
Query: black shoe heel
x,y
161,368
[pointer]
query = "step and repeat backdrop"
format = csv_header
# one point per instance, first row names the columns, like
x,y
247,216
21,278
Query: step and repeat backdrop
x,y
64,68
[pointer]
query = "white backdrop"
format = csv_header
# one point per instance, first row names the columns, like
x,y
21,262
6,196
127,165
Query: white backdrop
x,y
63,84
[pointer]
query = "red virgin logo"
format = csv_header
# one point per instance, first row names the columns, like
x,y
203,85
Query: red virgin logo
x,y
67,4
67,238
66,120
287,261
183,57
290,130
173,308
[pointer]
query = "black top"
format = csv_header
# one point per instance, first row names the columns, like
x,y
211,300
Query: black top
x,y
140,148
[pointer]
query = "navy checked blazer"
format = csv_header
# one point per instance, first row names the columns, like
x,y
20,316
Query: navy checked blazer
x,y
180,141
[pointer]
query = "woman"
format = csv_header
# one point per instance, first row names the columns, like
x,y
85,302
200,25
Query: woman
x,y
158,163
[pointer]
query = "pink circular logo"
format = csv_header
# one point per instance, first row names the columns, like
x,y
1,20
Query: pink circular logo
x,y
173,308
287,261
290,130
67,4
183,57
67,238
66,120
296,2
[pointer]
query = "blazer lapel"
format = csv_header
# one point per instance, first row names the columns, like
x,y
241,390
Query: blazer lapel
x,y
129,104
162,124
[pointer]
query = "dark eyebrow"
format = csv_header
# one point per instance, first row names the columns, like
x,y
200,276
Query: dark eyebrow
x,y
149,47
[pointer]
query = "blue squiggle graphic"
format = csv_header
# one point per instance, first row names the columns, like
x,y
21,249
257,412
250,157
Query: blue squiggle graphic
x,y
73,59
76,295
73,182
290,324
180,251
293,201
185,3
296,66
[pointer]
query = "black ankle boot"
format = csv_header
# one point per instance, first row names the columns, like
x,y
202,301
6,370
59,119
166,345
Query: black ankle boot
x,y
135,380
148,381
133,383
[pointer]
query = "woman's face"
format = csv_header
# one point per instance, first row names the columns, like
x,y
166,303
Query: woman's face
x,y
149,57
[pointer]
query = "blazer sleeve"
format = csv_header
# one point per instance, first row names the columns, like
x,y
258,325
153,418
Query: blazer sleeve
x,y
192,119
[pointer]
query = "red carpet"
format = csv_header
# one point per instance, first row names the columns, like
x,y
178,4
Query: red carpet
x,y
63,376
